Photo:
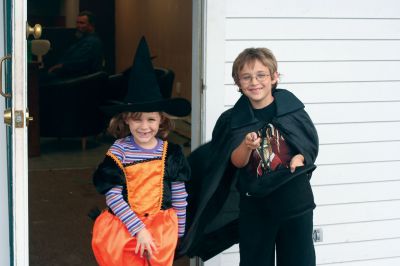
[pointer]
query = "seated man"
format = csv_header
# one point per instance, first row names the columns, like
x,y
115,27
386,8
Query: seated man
x,y
85,56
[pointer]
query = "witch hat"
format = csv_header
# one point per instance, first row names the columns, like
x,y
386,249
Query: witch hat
x,y
143,93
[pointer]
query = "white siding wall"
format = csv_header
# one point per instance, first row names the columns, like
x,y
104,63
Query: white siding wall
x,y
342,59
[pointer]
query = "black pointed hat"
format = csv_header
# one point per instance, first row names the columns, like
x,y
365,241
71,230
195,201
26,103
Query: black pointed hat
x,y
143,93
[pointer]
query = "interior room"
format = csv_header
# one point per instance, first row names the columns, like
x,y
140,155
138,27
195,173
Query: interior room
x,y
61,159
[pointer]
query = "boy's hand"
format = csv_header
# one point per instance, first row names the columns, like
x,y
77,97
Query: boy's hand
x,y
145,242
252,141
297,160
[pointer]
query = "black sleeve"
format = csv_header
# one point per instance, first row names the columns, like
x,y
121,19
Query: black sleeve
x,y
108,175
177,168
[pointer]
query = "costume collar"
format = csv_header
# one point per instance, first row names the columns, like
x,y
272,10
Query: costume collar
x,y
243,115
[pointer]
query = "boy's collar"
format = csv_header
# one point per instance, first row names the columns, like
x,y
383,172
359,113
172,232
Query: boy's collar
x,y
243,115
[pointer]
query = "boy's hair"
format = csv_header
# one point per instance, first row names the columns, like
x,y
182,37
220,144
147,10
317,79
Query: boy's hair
x,y
119,129
250,55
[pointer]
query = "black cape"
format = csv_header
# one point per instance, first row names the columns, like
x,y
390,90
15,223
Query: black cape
x,y
213,202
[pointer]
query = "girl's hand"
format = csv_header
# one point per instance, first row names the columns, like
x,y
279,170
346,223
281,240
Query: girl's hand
x,y
252,141
145,242
297,160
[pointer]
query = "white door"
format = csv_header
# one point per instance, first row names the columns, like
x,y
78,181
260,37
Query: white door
x,y
4,136
14,182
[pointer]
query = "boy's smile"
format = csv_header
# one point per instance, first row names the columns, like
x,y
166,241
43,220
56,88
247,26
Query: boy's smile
x,y
256,83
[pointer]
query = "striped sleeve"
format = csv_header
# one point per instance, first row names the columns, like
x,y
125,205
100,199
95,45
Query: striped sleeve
x,y
121,209
179,203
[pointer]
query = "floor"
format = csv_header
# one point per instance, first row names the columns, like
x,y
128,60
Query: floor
x,y
61,194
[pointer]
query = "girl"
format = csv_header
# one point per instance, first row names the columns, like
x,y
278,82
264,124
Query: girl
x,y
142,176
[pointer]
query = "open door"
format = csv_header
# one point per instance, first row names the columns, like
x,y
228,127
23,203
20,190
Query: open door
x,y
14,207
5,77
16,117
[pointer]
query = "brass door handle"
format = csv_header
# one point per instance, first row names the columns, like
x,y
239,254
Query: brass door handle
x,y
5,95
8,117
36,31
18,121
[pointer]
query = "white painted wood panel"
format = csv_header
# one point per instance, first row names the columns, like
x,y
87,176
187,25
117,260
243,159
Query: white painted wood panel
x,y
332,92
359,152
346,92
326,72
342,59
313,8
230,259
357,192
320,50
372,262
358,250
353,232
339,71
354,173
354,112
358,132
263,28
373,248
356,212
356,232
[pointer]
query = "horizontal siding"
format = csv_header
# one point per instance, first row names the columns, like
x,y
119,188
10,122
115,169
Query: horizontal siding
x,y
313,8
394,261
378,91
326,72
354,232
357,192
356,173
347,252
363,231
358,132
365,250
356,212
232,259
359,153
320,50
354,112
341,58
335,92
311,29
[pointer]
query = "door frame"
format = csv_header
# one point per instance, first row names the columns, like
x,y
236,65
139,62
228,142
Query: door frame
x,y
20,221
5,140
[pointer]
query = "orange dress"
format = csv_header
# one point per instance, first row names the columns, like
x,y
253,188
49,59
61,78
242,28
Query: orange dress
x,y
112,243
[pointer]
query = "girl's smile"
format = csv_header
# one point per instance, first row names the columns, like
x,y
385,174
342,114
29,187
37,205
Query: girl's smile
x,y
144,129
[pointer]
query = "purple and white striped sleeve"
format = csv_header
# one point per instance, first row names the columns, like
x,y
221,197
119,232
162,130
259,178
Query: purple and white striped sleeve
x,y
179,203
121,209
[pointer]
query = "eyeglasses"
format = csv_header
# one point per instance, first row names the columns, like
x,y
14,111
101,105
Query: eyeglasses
x,y
260,77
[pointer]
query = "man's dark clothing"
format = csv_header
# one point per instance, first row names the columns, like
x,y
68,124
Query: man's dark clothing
x,y
84,57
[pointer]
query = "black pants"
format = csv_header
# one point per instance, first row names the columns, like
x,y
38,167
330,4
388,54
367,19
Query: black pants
x,y
260,234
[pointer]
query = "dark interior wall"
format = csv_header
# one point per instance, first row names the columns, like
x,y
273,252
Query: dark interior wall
x,y
50,15
46,13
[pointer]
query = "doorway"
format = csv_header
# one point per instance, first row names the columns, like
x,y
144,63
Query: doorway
x,y
60,189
